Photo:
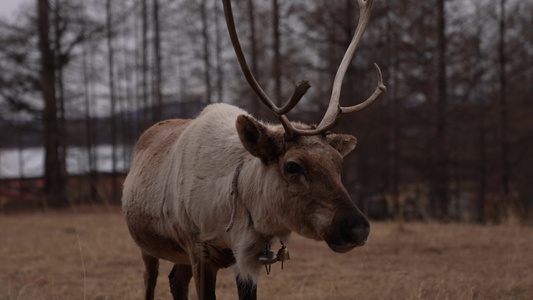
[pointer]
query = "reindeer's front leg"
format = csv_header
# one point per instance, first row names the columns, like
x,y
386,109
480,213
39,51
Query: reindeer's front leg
x,y
205,275
247,289
179,279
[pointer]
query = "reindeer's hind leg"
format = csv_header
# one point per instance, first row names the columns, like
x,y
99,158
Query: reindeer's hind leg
x,y
151,265
179,278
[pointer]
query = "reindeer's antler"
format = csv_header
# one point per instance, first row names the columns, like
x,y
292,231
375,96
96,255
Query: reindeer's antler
x,y
334,111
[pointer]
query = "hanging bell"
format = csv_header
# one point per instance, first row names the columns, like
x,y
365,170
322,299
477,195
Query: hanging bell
x,y
283,254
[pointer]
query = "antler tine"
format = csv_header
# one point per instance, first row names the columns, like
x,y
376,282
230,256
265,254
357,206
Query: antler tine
x,y
380,89
299,91
334,111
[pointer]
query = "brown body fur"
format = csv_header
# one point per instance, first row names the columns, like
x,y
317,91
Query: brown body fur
x,y
177,197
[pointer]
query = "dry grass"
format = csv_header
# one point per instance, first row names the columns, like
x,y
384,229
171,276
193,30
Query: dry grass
x,y
90,255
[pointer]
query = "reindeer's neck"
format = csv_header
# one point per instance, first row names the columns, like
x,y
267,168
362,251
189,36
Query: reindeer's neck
x,y
260,189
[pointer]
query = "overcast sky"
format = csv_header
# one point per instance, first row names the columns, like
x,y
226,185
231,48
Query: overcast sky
x,y
8,7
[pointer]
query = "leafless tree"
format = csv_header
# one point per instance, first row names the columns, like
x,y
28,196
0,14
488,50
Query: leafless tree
x,y
206,53
112,99
503,109
158,97
442,172
54,189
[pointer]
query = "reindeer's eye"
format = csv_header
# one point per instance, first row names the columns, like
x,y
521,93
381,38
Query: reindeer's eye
x,y
293,168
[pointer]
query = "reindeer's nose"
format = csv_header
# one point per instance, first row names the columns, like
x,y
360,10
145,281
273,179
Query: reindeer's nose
x,y
350,232
354,231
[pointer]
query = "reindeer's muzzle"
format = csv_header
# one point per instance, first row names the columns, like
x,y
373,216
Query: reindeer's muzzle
x,y
349,229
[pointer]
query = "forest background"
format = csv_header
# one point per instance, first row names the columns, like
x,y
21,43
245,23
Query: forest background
x,y
451,140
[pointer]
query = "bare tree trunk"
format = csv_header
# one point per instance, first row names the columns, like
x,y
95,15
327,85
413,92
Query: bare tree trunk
x,y
158,101
504,143
256,106
394,130
253,40
276,72
88,128
20,149
206,55
442,177
348,91
483,166
482,146
123,90
356,174
218,54
137,75
130,103
94,135
144,61
113,129
54,183
60,63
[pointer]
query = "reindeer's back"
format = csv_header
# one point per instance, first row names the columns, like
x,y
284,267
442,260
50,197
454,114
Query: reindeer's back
x,y
150,159
154,146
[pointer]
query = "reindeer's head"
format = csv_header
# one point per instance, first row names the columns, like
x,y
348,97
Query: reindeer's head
x,y
309,159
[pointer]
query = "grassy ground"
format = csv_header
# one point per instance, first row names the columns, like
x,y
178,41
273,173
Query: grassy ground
x,y
89,255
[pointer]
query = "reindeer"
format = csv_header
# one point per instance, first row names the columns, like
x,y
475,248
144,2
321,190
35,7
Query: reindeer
x,y
220,190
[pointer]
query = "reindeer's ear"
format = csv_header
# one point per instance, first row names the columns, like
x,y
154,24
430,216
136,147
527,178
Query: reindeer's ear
x,y
344,143
256,138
